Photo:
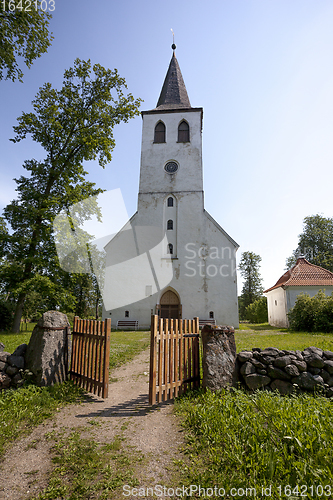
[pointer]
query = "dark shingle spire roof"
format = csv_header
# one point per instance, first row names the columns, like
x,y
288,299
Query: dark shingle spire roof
x,y
173,94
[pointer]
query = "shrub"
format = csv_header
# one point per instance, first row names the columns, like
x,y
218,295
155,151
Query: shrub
x,y
312,314
257,311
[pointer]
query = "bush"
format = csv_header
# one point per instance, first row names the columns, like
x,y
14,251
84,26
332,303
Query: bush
x,y
312,314
257,311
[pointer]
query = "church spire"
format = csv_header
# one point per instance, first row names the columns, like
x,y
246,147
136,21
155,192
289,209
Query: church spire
x,y
173,94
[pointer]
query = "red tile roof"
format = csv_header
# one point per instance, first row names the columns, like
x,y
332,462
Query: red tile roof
x,y
304,274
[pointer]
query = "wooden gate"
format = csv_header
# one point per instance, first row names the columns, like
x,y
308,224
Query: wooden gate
x,y
90,355
174,358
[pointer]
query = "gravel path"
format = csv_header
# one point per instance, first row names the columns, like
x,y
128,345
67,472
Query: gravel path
x,y
153,431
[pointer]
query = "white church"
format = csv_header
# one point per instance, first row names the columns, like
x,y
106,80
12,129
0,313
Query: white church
x,y
171,258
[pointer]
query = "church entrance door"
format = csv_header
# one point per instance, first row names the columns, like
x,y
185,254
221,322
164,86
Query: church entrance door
x,y
170,306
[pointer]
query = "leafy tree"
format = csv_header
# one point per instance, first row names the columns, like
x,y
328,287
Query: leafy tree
x,y
252,288
73,124
315,243
257,311
42,294
3,236
6,315
23,34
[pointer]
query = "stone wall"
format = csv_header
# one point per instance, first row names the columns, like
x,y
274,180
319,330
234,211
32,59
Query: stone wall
x,y
287,371
12,366
45,360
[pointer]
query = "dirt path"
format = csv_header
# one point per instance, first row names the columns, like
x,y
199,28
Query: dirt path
x,y
154,432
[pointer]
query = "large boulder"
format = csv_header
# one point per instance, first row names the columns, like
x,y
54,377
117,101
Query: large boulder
x,y
47,355
219,357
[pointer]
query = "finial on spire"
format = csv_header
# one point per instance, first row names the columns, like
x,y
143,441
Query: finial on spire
x,y
173,46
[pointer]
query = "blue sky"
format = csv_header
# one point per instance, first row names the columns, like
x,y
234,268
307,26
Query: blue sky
x,y
262,71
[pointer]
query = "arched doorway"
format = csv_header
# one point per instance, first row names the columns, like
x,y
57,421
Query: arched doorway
x,y
170,305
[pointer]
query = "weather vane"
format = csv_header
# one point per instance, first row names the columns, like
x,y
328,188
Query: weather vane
x,y
173,46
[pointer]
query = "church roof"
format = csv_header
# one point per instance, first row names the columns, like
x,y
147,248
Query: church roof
x,y
304,274
173,94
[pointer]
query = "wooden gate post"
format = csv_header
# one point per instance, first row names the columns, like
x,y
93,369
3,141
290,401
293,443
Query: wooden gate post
x,y
107,333
152,365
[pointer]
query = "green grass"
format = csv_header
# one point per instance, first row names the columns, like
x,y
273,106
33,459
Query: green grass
x,y
237,439
28,406
126,345
241,440
264,335
86,469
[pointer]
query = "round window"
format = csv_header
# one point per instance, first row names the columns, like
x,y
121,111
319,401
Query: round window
x,y
171,167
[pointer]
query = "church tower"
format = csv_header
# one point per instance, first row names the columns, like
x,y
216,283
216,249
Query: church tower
x,y
191,267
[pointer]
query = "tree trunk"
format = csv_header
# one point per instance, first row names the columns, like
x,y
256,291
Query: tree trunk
x,y
18,313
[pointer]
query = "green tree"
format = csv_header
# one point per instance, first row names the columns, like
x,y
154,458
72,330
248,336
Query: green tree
x,y
315,242
23,34
73,125
252,289
257,311
3,236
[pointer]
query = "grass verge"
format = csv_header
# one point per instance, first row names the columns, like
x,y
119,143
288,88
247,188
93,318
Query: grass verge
x,y
86,469
24,408
242,440
28,406
260,440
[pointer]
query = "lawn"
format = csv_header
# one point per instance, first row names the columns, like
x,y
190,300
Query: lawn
x,y
237,440
264,335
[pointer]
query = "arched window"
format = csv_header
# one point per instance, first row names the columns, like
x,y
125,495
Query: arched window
x,y
126,314
170,201
170,248
159,135
183,132
170,224
211,314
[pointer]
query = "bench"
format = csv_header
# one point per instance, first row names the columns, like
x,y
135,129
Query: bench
x,y
203,322
129,324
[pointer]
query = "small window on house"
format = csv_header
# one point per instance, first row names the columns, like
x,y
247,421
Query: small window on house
x,y
126,314
159,135
183,132
170,248
211,315
170,202
170,224
276,302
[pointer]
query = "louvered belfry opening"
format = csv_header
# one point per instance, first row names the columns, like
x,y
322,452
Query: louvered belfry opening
x,y
183,132
159,135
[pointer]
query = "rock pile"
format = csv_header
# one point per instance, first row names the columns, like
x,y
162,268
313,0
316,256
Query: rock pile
x,y
287,371
12,366
44,360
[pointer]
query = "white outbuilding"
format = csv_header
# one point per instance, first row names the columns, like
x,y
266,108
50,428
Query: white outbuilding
x,y
304,277
171,258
